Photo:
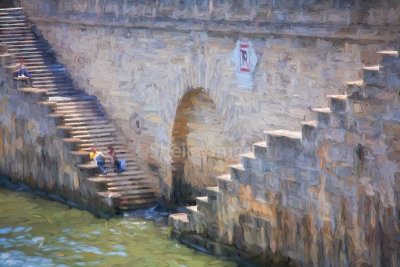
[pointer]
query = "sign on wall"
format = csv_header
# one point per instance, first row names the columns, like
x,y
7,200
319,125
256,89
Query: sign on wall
x,y
244,57
245,60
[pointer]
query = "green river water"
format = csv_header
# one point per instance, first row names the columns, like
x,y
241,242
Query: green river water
x,y
39,232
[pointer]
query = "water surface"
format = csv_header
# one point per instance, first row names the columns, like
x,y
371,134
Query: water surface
x,y
39,232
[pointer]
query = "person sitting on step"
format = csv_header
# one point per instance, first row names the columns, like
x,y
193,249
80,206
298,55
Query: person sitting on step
x,y
21,71
98,158
115,163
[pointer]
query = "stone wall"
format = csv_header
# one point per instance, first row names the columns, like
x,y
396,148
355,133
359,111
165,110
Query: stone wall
x,y
326,196
140,59
32,150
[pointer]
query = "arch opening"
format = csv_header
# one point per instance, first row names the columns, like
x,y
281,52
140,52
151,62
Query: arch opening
x,y
200,148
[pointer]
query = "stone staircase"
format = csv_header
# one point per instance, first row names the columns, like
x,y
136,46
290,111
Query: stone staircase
x,y
83,123
314,149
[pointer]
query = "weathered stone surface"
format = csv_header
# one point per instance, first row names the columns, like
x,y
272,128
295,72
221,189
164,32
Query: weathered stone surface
x,y
151,55
309,211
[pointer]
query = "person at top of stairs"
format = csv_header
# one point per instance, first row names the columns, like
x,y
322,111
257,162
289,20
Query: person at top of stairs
x,y
98,158
21,71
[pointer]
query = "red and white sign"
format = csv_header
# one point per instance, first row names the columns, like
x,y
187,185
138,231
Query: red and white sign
x,y
244,57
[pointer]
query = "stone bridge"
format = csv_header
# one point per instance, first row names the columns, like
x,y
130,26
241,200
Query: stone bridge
x,y
165,74
143,61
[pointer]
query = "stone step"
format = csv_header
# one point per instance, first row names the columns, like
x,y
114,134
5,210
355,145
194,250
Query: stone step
x,y
40,68
180,222
103,134
86,118
18,47
22,37
130,169
93,132
139,192
73,113
55,83
10,9
118,180
260,149
87,123
91,106
337,103
14,28
309,130
69,92
204,204
109,194
82,110
35,55
246,158
212,192
390,59
360,91
82,97
99,131
33,90
60,80
374,75
29,44
379,76
34,58
87,166
48,74
322,116
197,220
192,209
6,31
100,144
139,204
237,171
4,18
131,186
77,103
20,42
152,194
140,179
284,144
224,181
14,25
13,21
328,119
91,127
38,61
62,91
120,148
99,140
133,173
53,88
29,50
120,152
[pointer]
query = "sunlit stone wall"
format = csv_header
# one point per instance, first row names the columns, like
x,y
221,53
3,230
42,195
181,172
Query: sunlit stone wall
x,y
32,152
140,59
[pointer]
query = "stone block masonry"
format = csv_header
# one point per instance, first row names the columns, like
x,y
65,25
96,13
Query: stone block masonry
x,y
326,196
31,150
141,59
48,129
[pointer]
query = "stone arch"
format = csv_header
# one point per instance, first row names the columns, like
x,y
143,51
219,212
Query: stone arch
x,y
200,149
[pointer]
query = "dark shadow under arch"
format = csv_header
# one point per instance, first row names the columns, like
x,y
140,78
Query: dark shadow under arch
x,y
200,149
